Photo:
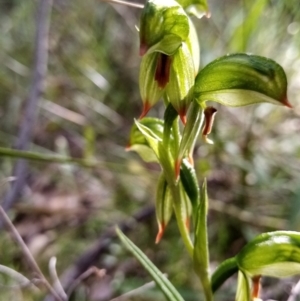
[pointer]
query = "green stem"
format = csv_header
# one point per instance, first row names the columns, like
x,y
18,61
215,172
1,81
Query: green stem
x,y
13,153
49,158
225,270
176,134
201,253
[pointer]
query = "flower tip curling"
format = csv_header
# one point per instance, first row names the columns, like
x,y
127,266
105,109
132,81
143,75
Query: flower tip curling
x,y
146,109
128,147
161,230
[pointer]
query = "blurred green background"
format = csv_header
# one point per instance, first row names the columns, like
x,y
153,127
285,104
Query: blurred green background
x,y
91,99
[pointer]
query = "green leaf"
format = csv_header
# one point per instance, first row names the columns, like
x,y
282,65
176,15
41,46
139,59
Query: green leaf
x,y
163,27
197,8
201,253
275,254
161,281
242,79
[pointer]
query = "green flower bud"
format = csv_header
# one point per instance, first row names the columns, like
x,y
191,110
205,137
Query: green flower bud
x,y
163,27
173,75
185,207
164,207
169,40
154,75
274,254
179,91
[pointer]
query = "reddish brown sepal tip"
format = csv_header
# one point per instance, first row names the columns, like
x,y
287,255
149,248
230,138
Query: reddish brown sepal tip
x,y
177,168
161,230
182,114
183,118
287,103
146,109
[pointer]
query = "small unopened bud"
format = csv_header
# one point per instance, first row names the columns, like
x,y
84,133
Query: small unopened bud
x,y
164,207
150,88
179,90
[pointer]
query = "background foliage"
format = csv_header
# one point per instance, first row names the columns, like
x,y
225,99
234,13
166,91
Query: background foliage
x,y
91,99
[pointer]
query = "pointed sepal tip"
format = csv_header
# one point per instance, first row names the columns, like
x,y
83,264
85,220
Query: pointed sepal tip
x,y
161,230
146,109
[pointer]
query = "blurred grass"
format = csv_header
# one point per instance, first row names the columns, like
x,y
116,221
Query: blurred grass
x,y
91,99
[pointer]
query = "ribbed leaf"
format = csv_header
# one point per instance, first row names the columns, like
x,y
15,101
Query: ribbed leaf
x,y
161,281
275,254
242,79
